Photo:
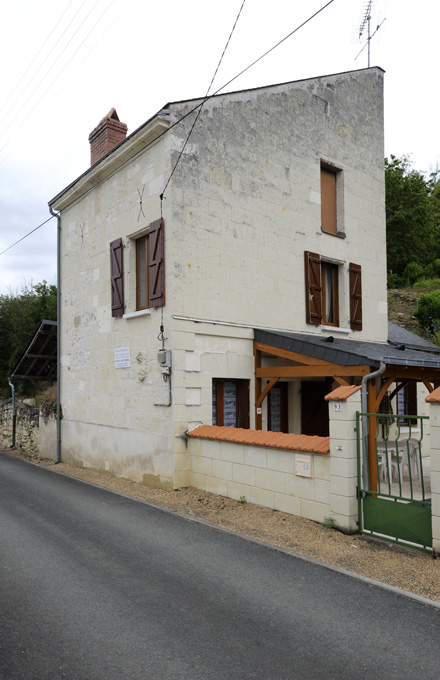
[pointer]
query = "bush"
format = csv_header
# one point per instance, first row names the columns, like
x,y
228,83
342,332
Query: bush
x,y
428,311
413,271
47,401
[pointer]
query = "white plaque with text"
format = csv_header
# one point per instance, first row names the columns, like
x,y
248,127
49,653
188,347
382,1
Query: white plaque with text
x,y
122,357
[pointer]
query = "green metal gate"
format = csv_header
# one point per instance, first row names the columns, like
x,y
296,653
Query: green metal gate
x,y
396,508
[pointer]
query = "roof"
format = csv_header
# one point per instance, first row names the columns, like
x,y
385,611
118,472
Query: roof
x,y
401,336
39,362
273,440
348,352
199,101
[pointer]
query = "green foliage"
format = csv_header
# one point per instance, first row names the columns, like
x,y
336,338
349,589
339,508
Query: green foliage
x,y
329,523
413,222
428,311
47,401
242,500
21,312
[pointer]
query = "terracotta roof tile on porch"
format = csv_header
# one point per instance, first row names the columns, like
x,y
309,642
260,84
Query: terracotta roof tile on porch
x,y
275,440
342,393
434,396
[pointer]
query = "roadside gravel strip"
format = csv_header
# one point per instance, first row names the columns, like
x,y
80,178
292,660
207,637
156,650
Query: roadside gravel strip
x,y
408,571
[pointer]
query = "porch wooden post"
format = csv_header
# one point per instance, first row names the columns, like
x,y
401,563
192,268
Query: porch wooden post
x,y
372,431
258,416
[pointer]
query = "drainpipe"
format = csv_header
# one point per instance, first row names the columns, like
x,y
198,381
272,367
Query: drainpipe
x,y
364,406
57,215
14,413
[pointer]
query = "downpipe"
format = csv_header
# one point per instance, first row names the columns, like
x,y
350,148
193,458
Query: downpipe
x,y
14,413
364,406
58,217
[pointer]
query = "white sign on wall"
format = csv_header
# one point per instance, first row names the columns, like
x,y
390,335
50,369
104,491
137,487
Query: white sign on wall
x,y
122,357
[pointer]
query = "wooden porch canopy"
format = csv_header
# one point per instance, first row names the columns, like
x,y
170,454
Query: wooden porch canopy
x,y
346,361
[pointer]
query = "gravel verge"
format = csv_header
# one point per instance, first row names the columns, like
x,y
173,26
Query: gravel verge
x,y
410,570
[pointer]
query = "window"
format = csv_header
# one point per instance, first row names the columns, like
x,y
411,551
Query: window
x,y
355,272
278,408
322,292
150,270
330,294
328,200
150,288
230,403
117,277
407,402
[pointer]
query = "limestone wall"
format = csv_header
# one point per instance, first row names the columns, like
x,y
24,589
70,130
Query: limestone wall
x,y
34,434
263,476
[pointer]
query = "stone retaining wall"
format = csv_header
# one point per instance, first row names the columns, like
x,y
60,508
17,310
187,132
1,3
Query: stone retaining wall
x,y
34,433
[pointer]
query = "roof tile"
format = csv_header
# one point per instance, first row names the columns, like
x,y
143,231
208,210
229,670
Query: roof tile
x,y
276,440
434,396
342,393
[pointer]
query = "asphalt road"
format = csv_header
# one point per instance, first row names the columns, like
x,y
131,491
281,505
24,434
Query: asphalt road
x,y
96,586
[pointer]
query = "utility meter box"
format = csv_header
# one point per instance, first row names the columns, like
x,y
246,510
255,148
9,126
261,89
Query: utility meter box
x,y
303,465
164,358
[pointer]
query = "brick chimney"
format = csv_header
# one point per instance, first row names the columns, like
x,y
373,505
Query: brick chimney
x,y
106,136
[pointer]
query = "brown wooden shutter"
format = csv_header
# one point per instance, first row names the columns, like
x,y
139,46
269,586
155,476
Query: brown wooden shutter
x,y
312,268
156,264
117,277
355,296
328,201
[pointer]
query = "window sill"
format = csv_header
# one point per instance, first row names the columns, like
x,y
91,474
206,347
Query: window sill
x,y
339,234
134,315
336,329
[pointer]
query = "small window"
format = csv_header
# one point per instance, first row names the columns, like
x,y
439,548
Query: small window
x,y
328,201
230,403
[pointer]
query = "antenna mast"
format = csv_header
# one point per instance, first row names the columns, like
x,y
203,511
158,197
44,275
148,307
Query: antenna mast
x,y
365,22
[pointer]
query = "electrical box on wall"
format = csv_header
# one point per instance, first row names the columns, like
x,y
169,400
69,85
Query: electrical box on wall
x,y
303,465
164,357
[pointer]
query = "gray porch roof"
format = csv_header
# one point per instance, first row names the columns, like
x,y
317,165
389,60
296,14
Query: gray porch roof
x,y
352,352
39,362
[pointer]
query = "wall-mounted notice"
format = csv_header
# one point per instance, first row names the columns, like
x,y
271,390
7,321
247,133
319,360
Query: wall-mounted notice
x,y
122,357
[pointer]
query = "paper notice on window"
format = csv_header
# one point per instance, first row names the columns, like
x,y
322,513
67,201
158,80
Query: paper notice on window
x,y
122,357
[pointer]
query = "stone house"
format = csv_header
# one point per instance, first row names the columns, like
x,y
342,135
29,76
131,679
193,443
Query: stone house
x,y
232,277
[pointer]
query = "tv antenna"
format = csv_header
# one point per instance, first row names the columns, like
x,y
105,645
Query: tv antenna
x,y
366,23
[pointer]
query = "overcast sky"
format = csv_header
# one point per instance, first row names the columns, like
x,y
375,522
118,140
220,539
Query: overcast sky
x,y
66,63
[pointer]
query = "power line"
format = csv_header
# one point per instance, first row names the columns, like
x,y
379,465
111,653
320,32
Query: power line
x,y
66,80
41,66
59,73
140,151
34,59
200,108
26,235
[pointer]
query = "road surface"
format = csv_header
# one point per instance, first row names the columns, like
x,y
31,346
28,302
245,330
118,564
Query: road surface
x,y
97,586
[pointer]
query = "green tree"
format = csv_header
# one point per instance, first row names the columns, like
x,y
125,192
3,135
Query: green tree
x,y
412,212
20,315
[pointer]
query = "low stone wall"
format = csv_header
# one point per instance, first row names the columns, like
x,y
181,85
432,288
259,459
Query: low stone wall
x,y
33,433
277,479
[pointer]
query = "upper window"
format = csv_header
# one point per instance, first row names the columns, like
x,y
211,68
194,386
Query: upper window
x,y
330,294
150,288
150,271
322,292
331,200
